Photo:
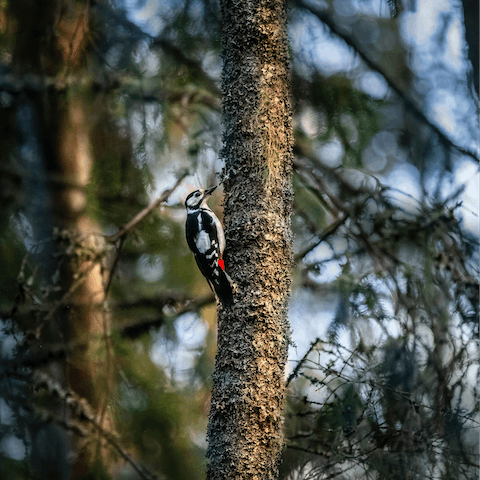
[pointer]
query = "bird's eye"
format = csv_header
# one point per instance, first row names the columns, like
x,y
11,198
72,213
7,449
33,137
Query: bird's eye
x,y
197,194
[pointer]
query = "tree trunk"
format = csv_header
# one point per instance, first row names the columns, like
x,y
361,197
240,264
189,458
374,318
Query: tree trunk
x,y
245,424
51,43
89,367
471,18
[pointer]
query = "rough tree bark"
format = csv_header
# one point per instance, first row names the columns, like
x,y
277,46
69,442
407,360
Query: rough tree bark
x,y
245,424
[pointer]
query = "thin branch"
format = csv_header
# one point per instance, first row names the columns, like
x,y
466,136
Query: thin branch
x,y
194,65
330,230
302,361
118,253
131,331
82,410
132,224
326,19
160,300
134,330
82,277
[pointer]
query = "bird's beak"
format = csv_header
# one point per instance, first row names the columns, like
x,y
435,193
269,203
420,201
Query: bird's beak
x,y
210,190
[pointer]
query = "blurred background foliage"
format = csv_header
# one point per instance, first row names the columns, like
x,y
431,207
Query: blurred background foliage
x,y
384,309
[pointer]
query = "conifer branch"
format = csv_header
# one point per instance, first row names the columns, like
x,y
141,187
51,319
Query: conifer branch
x,y
327,20
83,413
139,217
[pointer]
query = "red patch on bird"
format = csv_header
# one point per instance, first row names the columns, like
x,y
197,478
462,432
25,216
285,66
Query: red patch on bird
x,y
221,264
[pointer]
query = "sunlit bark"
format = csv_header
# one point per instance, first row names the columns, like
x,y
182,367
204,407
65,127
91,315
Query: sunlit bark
x,y
245,424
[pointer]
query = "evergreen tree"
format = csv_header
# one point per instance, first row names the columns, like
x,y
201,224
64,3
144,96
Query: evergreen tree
x,y
111,112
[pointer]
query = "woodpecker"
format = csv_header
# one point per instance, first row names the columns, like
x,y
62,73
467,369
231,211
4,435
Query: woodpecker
x,y
206,240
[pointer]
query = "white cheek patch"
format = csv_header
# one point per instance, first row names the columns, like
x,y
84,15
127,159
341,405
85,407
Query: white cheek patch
x,y
202,241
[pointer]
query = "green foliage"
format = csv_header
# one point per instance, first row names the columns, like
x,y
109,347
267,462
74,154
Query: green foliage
x,y
389,395
14,469
348,113
157,417
11,255
374,398
97,472
309,203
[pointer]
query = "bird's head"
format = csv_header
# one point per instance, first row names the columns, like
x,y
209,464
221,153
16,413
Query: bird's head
x,y
196,199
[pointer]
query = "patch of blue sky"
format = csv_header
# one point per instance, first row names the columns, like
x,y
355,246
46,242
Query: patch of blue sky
x,y
328,271
377,8
8,345
405,178
418,26
374,84
383,150
441,105
313,42
319,254
212,65
13,447
333,56
148,14
178,356
150,268
331,153
7,416
435,34
467,174
147,60
306,322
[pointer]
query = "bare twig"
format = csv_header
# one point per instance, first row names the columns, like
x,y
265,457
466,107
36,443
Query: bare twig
x,y
118,253
81,278
136,329
194,65
330,230
132,330
146,211
302,361
82,411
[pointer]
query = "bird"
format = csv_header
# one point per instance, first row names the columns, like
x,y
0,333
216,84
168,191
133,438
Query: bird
x,y
206,240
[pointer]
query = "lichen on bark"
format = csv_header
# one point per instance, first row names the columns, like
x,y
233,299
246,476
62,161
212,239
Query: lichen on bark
x,y
245,424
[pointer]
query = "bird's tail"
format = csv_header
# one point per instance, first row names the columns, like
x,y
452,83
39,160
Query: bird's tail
x,y
224,286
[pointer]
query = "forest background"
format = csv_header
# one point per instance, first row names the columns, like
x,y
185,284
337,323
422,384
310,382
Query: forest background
x,y
109,105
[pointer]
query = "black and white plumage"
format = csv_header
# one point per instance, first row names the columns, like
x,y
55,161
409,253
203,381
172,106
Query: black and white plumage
x,y
206,240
